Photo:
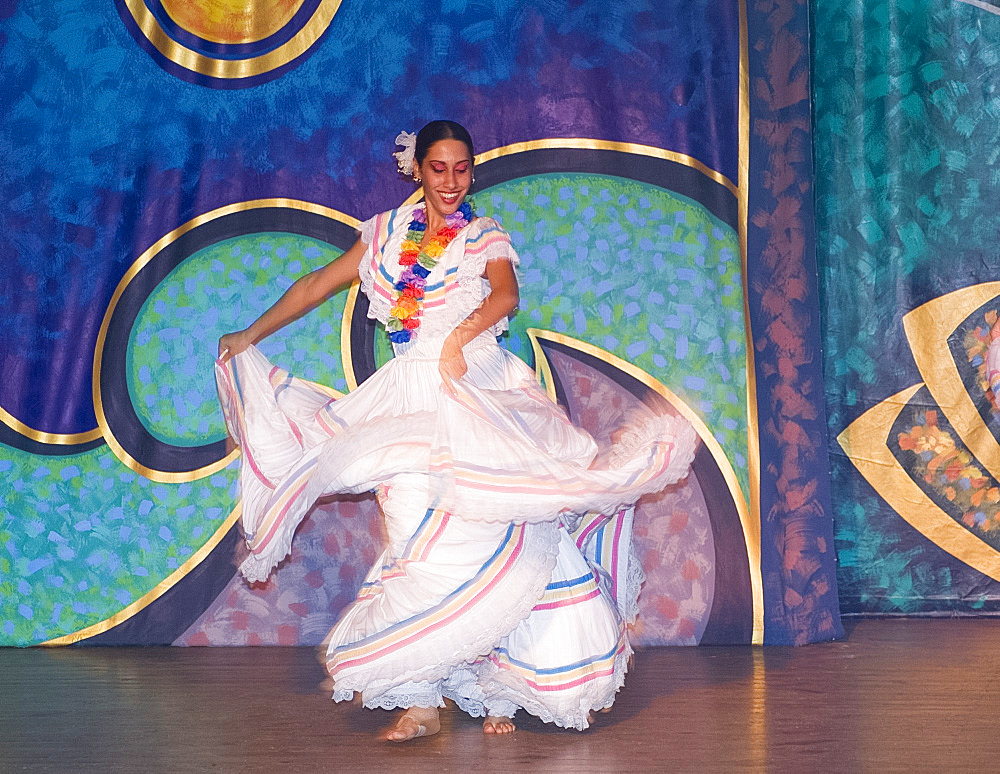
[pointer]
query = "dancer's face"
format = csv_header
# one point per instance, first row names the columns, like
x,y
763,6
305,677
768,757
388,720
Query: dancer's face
x,y
446,173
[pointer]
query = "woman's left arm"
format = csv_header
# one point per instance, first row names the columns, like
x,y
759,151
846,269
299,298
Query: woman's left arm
x,y
501,301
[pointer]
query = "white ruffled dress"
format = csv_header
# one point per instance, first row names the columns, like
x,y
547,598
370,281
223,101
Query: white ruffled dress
x,y
509,576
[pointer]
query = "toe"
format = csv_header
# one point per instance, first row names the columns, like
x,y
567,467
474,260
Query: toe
x,y
405,729
494,725
413,724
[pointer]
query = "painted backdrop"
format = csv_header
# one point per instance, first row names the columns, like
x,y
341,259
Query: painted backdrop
x,y
907,99
169,168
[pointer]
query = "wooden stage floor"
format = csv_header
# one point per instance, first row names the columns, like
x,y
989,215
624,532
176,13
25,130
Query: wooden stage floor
x,y
895,695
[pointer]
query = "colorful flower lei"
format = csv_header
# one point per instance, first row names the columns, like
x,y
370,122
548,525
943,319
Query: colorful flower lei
x,y
417,262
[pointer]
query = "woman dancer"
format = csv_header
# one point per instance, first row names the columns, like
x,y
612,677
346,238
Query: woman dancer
x,y
497,509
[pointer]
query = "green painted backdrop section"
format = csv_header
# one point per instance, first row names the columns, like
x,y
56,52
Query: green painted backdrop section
x,y
654,279
100,536
906,108
93,537
224,287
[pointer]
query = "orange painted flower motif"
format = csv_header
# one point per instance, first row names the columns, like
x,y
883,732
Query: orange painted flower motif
x,y
976,344
951,471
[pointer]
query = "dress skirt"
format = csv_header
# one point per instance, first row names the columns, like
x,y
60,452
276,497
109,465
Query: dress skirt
x,y
509,575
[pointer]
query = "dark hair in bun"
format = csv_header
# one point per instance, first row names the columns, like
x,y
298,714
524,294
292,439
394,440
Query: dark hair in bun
x,y
440,130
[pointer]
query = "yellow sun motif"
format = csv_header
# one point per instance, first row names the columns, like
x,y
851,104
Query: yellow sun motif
x,y
232,21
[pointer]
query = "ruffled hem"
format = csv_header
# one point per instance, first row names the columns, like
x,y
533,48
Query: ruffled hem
x,y
481,635
597,696
628,599
396,702
367,230
256,568
558,489
392,702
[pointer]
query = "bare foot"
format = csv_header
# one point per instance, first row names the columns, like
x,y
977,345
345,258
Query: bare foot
x,y
590,715
416,721
498,725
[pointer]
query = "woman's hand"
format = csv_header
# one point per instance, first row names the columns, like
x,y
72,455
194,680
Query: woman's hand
x,y
232,344
452,364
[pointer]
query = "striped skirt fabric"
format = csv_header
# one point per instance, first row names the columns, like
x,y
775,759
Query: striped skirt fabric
x,y
508,578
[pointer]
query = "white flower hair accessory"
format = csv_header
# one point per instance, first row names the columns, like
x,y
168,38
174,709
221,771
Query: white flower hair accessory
x,y
404,158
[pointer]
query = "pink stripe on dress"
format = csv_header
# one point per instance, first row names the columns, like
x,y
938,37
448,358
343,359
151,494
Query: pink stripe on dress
x,y
398,640
594,524
567,602
289,501
244,447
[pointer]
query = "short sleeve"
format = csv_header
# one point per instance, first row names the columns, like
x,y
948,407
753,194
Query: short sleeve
x,y
487,241
368,229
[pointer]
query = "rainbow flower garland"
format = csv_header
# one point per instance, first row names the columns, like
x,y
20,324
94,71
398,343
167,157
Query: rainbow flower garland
x,y
417,262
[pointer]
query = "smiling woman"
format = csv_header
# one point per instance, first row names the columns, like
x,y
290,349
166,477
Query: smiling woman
x,y
489,591
447,173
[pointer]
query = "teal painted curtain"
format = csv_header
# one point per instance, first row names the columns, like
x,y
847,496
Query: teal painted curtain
x,y
906,106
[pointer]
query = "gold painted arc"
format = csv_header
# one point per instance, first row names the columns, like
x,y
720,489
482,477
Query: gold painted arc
x,y
170,477
230,69
750,528
927,330
865,443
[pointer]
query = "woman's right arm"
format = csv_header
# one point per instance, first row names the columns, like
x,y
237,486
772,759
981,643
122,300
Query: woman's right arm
x,y
306,293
